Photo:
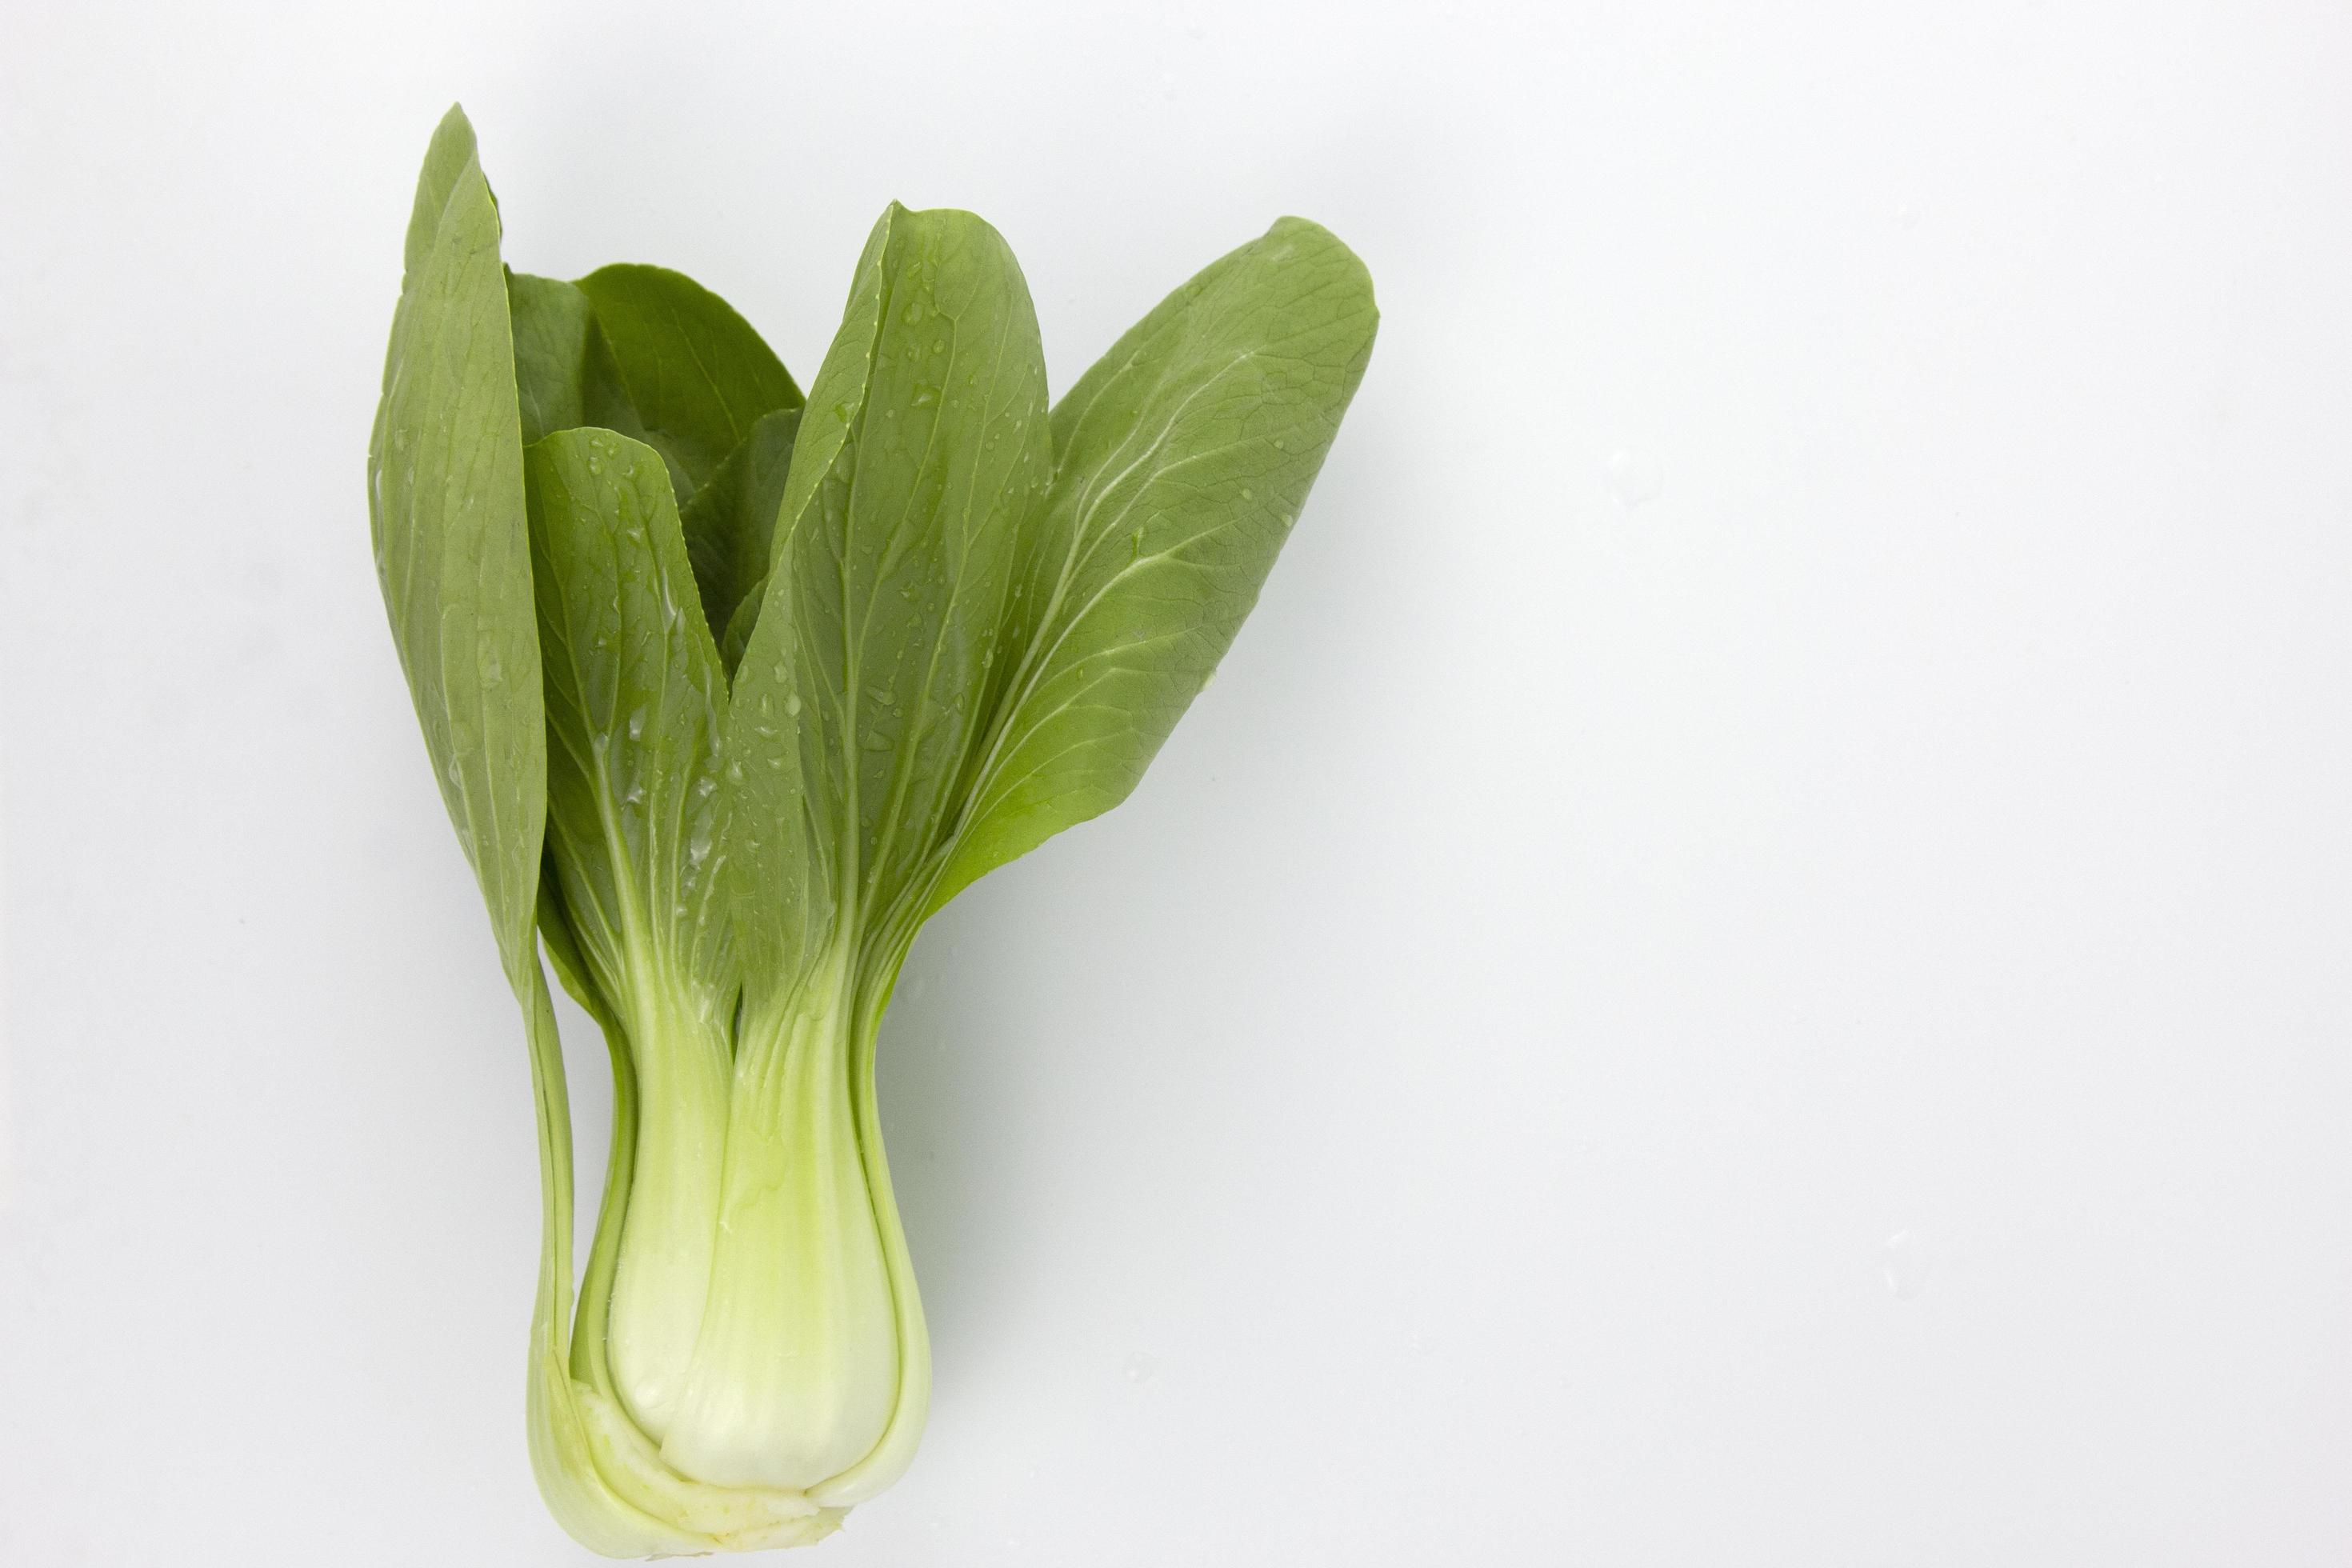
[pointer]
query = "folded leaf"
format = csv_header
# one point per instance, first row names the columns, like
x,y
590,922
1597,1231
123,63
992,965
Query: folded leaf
x,y
699,367
555,329
697,375
730,525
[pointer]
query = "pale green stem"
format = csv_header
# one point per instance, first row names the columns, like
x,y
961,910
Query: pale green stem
x,y
669,1234
795,1374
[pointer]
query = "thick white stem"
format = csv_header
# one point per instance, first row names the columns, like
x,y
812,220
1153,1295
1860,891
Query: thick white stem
x,y
669,1235
795,1373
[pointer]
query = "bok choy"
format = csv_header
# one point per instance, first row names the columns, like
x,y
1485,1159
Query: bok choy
x,y
728,689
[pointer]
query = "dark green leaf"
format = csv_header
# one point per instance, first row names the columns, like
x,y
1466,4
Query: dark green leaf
x,y
565,372
696,375
553,326
730,524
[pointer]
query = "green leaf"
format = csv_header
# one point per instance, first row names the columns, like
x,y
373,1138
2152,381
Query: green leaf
x,y
553,329
564,374
635,700
922,456
696,375
738,635
445,502
730,525
1181,461
449,160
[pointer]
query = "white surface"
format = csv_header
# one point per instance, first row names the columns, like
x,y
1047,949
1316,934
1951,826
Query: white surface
x,y
1746,964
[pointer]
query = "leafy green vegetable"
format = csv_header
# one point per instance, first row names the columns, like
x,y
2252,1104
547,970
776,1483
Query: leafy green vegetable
x,y
727,695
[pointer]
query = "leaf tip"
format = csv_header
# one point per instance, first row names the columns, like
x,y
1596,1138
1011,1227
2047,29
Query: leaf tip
x,y
453,137
1307,237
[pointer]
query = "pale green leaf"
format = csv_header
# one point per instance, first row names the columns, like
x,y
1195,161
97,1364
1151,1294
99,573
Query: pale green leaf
x,y
449,160
1181,460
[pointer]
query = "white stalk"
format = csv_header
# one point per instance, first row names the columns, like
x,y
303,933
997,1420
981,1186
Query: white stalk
x,y
796,1372
669,1233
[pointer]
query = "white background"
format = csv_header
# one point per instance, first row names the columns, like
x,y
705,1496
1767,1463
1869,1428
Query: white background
x,y
1746,964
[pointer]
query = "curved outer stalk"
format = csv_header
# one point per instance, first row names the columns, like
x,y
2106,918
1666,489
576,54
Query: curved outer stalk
x,y
895,1450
